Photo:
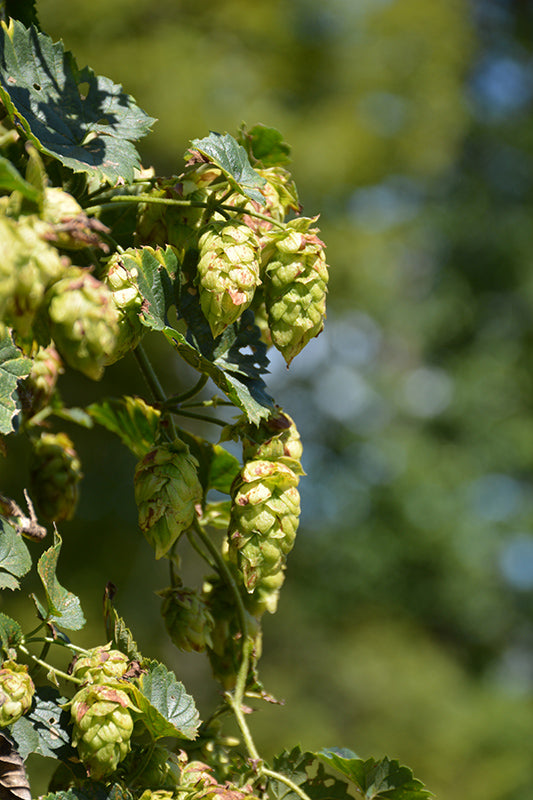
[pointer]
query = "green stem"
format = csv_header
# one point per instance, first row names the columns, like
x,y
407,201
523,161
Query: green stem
x,y
153,382
236,707
270,773
202,417
194,544
50,668
198,386
255,214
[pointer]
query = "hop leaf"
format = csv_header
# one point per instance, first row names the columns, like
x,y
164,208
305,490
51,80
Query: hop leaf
x,y
16,692
166,492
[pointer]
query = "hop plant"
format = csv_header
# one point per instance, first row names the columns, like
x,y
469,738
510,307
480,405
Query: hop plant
x,y
83,321
16,692
187,619
264,519
170,225
295,286
39,387
265,595
101,666
101,716
274,439
28,267
54,476
228,272
66,224
121,278
166,492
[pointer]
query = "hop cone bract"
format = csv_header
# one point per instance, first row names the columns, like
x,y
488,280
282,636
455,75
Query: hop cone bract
x,y
121,278
295,286
102,665
102,727
83,322
55,474
228,272
16,692
187,619
166,492
38,388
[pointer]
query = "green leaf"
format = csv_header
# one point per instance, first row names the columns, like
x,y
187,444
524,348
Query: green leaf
x,y
46,729
13,366
92,790
10,635
24,10
15,559
217,468
12,181
133,420
63,607
265,145
167,709
376,779
224,151
156,272
116,629
305,771
83,120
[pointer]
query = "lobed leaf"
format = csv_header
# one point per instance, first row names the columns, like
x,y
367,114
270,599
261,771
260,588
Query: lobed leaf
x,y
307,773
376,779
15,559
265,145
10,635
134,421
116,629
224,151
167,709
46,728
64,608
13,366
83,120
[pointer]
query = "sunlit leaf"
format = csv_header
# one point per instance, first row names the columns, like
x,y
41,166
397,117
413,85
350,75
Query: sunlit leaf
x,y
13,366
10,635
224,151
377,779
15,559
167,709
131,418
64,608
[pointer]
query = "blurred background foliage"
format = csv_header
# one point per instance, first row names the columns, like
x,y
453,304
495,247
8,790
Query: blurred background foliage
x,y
405,624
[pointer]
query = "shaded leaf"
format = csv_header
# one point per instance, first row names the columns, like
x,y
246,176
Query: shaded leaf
x,y
265,145
224,151
13,366
14,783
167,709
15,559
24,10
116,629
217,468
306,772
133,420
12,181
46,729
92,790
64,607
376,779
84,121
10,635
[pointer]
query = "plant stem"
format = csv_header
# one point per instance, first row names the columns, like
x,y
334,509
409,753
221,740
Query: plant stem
x,y
49,667
194,544
278,776
236,707
153,382
202,417
198,386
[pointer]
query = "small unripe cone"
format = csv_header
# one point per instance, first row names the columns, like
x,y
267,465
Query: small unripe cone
x,y
121,278
274,439
55,474
102,727
28,266
83,321
281,195
187,619
295,286
102,665
66,224
167,489
16,692
39,386
228,272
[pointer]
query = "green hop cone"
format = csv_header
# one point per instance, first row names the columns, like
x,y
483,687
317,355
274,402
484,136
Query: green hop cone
x,y
83,321
102,665
16,692
28,266
187,619
228,272
66,224
281,195
167,490
54,476
265,595
39,387
264,519
274,439
101,716
295,286
122,279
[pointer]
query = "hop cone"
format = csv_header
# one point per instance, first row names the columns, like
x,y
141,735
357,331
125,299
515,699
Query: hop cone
x,y
187,619
55,474
66,224
16,692
40,384
274,439
83,322
228,272
264,519
102,727
280,192
166,492
265,595
296,285
102,665
121,278
28,266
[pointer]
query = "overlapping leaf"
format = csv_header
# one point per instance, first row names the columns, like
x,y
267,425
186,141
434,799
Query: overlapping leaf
x,y
133,420
217,468
376,780
266,145
224,151
83,120
117,631
15,559
306,772
167,709
45,729
10,635
64,608
13,367
11,180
